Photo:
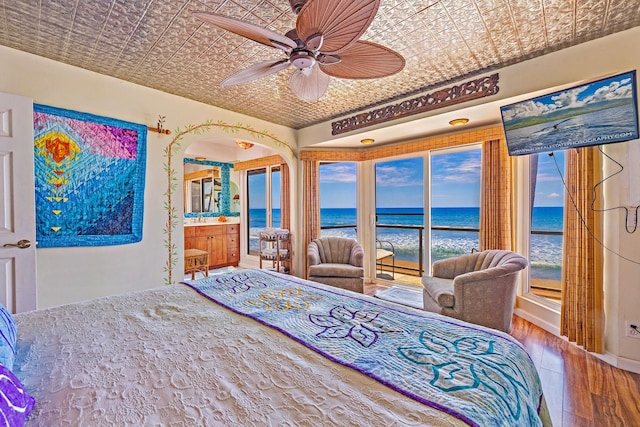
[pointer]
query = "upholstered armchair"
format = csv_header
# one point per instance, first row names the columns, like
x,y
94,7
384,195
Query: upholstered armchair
x,y
336,261
479,288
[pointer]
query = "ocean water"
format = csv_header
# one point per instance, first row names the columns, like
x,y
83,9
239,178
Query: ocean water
x,y
401,227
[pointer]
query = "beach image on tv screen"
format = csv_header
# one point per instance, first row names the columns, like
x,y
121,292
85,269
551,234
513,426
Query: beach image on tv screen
x,y
600,112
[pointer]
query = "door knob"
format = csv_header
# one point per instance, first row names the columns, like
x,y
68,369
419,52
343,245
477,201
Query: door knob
x,y
22,244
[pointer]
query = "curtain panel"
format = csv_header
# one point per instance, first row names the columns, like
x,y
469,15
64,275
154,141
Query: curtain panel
x,y
495,198
311,210
285,207
581,318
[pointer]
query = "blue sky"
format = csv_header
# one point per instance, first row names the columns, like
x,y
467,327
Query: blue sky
x,y
455,182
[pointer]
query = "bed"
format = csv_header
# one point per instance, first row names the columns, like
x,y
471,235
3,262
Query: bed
x,y
258,348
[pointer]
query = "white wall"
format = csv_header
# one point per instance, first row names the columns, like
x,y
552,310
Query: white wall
x,y
71,274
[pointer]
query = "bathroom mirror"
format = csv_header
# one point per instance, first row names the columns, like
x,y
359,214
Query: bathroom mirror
x,y
203,190
207,189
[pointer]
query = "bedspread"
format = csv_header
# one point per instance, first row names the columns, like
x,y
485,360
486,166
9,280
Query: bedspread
x,y
481,376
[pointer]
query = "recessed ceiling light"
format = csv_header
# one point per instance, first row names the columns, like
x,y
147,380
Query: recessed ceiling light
x,y
367,141
459,122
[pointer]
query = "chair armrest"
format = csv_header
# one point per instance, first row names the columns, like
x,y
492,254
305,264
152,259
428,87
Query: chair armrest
x,y
357,256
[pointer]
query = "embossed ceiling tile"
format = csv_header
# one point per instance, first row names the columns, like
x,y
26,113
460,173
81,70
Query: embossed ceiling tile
x,y
560,23
234,10
15,19
206,5
463,11
81,47
476,37
92,14
485,6
622,13
266,14
469,24
59,12
26,12
590,18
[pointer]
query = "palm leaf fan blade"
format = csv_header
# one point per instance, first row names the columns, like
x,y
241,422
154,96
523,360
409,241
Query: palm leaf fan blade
x,y
248,30
255,71
341,22
365,60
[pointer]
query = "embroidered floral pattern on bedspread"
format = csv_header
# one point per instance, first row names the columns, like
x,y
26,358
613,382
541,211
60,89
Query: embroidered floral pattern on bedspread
x,y
479,376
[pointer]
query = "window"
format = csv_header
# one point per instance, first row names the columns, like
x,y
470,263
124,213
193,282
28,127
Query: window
x,y
338,199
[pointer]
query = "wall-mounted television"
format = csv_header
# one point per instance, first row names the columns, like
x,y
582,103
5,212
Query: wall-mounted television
x,y
599,112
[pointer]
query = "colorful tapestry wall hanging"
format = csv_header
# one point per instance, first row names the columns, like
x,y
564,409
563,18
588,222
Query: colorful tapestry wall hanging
x,y
89,178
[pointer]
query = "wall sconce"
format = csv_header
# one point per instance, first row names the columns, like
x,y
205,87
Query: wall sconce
x,y
244,144
367,141
459,122
201,159
236,199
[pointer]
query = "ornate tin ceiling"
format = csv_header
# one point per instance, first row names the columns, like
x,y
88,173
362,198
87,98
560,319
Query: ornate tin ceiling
x,y
158,43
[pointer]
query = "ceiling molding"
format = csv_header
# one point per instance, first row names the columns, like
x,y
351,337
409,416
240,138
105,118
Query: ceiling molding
x,y
467,91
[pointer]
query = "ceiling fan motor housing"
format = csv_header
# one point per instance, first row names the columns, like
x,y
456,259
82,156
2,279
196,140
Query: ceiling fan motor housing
x,y
302,58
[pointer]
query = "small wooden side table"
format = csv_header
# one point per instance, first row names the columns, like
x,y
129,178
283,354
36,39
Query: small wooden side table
x,y
196,260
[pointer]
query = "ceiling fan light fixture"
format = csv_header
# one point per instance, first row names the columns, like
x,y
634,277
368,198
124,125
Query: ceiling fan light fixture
x,y
367,141
244,144
459,122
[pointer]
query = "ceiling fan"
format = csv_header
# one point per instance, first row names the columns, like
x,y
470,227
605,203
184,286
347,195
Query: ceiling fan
x,y
324,43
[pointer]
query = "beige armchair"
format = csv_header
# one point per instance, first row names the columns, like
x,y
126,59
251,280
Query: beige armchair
x,y
479,288
336,261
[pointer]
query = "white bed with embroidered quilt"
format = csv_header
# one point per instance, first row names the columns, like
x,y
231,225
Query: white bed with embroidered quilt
x,y
257,348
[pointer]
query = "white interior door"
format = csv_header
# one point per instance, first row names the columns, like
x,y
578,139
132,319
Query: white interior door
x,y
17,205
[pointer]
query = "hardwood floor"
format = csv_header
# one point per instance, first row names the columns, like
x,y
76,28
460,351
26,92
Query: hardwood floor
x,y
580,389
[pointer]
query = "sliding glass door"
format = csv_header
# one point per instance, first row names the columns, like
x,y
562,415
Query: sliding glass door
x,y
426,209
263,203
455,202
399,213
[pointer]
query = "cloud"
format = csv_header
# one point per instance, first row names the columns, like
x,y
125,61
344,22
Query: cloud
x,y
529,108
548,177
553,195
396,176
467,171
616,90
338,172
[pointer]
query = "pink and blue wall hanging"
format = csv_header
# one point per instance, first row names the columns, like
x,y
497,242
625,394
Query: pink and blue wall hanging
x,y
89,178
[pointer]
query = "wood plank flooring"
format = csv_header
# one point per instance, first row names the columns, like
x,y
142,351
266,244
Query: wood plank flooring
x,y
580,389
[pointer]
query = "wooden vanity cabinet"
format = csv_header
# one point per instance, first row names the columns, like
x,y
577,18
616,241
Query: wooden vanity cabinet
x,y
220,241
